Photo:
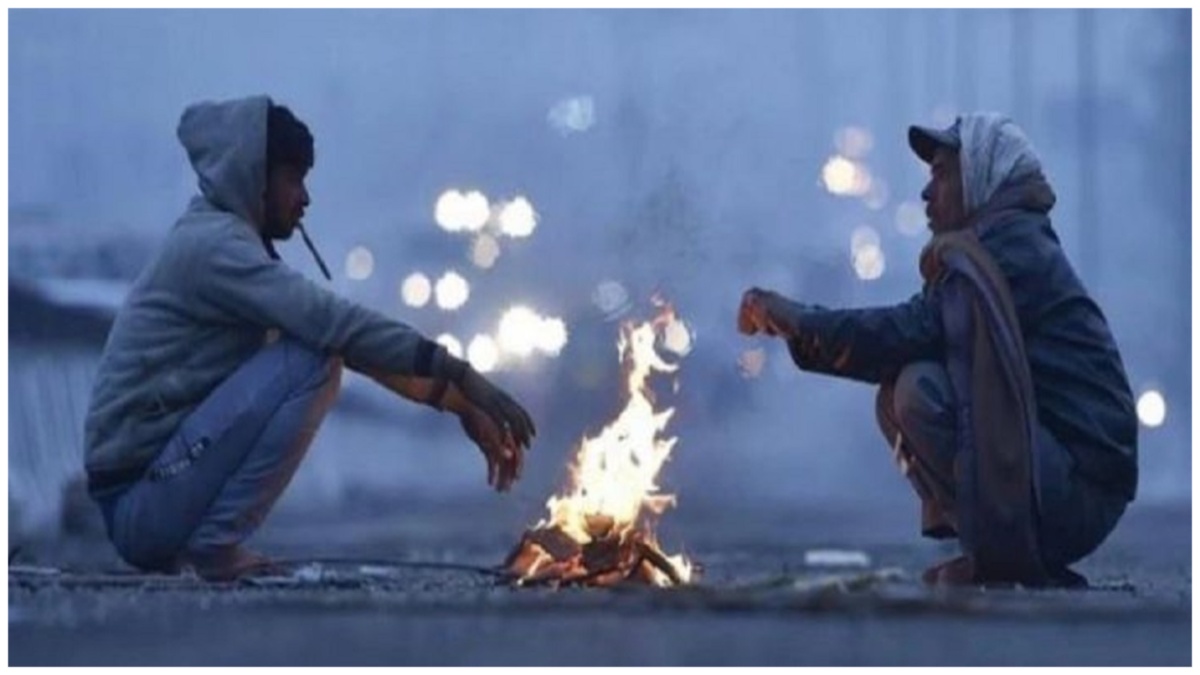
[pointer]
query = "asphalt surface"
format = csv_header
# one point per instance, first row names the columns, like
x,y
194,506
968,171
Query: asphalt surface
x,y
415,589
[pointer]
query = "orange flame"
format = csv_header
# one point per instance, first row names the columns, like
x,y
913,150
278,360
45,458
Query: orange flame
x,y
613,474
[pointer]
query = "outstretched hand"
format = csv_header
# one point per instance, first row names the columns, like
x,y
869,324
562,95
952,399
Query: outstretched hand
x,y
754,315
503,455
491,418
508,415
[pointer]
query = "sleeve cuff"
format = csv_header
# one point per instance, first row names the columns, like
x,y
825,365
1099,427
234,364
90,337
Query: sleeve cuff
x,y
444,365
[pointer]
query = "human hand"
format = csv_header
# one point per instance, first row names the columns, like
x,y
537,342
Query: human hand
x,y
508,416
503,455
754,315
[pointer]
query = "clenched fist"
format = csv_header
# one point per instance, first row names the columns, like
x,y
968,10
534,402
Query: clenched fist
x,y
754,315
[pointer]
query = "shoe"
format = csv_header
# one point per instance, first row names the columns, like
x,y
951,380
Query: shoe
x,y
935,524
960,571
1067,578
228,564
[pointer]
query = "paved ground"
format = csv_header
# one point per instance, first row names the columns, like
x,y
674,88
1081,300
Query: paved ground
x,y
407,592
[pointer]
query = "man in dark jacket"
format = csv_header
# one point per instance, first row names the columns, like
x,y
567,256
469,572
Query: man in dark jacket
x,y
223,361
1002,391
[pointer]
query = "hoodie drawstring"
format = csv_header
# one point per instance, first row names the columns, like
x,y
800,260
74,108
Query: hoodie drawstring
x,y
270,246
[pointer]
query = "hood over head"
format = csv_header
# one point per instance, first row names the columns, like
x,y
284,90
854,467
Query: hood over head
x,y
226,143
994,154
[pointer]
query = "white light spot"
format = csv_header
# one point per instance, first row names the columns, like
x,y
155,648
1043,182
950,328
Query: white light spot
x,y
677,337
853,142
458,212
519,328
751,362
836,558
448,211
838,175
611,298
868,262
863,237
416,290
517,218
484,251
552,336
483,353
475,211
451,344
863,181
844,177
452,291
572,115
1152,408
910,218
877,197
359,263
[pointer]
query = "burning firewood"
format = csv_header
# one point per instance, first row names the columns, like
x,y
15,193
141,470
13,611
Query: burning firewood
x,y
547,555
599,532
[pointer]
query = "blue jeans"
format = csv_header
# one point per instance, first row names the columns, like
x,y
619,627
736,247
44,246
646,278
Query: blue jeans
x,y
215,481
1074,515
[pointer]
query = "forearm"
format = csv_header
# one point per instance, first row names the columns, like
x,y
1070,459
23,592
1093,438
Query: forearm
x,y
421,390
238,282
785,318
861,344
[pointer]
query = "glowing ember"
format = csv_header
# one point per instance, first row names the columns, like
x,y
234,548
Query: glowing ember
x,y
600,531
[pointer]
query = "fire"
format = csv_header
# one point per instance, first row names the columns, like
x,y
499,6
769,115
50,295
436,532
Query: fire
x,y
600,530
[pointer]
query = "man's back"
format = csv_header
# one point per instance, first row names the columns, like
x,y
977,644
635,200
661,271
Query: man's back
x,y
1083,395
165,351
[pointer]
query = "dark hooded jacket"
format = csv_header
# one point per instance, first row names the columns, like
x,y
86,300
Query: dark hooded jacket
x,y
1082,394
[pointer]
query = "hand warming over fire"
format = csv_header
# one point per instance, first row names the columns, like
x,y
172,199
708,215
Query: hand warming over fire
x,y
491,418
756,315
507,414
503,454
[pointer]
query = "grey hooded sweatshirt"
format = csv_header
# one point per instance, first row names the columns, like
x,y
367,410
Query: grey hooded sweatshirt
x,y
202,307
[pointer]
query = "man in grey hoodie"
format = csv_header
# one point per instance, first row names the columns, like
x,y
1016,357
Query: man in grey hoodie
x,y
1001,389
223,361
